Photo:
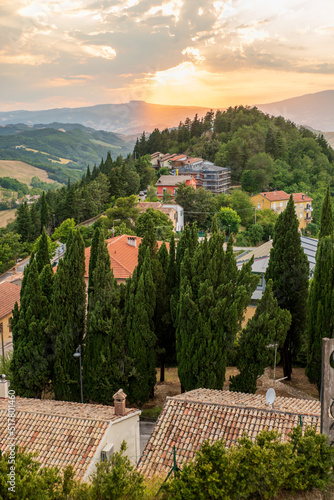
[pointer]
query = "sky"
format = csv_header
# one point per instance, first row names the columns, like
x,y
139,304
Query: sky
x,y
70,53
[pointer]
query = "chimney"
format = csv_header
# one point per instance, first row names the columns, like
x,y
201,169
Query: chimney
x,y
303,196
119,403
132,241
4,387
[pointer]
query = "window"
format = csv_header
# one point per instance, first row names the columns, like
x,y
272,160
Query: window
x,y
259,206
281,203
164,190
301,215
302,205
274,205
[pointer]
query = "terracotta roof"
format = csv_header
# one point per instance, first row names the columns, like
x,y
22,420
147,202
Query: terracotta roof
x,y
179,157
62,433
189,419
123,256
298,197
168,157
172,180
9,294
275,195
155,155
190,160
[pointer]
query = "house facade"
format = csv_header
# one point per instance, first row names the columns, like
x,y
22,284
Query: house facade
x,y
9,294
278,200
168,184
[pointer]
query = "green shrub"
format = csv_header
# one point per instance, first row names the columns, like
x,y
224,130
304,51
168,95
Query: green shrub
x,y
259,469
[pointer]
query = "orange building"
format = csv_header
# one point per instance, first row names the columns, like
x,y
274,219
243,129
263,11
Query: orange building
x,y
123,252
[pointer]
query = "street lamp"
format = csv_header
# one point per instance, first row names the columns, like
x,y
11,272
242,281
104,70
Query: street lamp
x,y
229,230
270,346
77,354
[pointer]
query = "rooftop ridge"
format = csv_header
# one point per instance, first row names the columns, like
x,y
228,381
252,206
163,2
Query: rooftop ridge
x,y
246,407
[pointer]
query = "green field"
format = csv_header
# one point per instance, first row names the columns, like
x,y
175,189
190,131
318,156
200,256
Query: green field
x,y
23,172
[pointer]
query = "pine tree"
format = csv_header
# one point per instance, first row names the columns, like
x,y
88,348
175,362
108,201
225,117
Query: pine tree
x,y
141,340
268,325
29,365
326,223
212,299
288,269
44,213
67,321
42,254
103,361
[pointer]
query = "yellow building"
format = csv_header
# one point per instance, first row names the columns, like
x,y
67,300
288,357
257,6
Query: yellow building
x,y
278,200
9,294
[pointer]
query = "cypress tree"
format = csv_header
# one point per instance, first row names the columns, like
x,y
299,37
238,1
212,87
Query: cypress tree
x,y
23,222
141,340
326,223
67,322
29,365
103,361
213,296
164,327
320,303
35,222
288,269
44,212
42,254
93,259
268,325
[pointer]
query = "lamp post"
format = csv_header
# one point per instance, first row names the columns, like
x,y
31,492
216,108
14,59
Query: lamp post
x,y
270,346
229,230
77,354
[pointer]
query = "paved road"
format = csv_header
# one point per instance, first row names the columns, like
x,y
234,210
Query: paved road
x,y
145,429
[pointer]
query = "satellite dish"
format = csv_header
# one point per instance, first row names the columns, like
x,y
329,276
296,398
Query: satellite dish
x,y
270,396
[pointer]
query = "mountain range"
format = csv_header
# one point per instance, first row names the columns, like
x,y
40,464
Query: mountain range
x,y
130,118
310,110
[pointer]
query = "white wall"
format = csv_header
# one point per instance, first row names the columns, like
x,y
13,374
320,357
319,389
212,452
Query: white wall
x,y
125,429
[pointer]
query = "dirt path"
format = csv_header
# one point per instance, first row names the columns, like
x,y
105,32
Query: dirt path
x,y
299,386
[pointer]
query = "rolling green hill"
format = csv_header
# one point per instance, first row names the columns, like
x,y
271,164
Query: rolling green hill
x,y
62,150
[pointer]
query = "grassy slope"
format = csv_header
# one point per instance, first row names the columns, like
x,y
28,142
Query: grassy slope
x,y
7,216
23,172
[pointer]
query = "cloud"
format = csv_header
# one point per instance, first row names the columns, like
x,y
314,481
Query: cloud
x,y
130,47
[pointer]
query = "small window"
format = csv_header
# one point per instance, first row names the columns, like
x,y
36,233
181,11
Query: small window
x,y
274,205
258,205
296,205
301,215
164,190
301,205
281,203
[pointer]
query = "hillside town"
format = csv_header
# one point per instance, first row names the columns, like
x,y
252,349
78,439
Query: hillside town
x,y
159,327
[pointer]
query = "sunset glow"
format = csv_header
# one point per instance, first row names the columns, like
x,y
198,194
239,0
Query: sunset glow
x,y
213,53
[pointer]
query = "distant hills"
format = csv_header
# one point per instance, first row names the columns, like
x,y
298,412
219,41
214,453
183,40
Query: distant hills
x,y
311,110
63,150
130,118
